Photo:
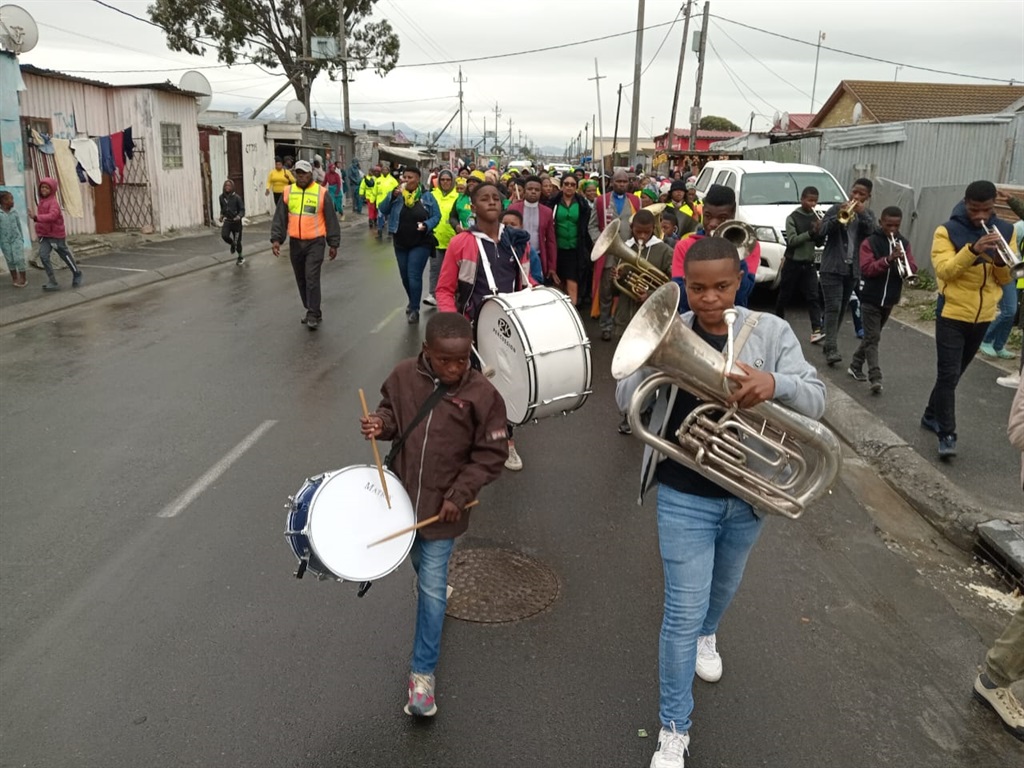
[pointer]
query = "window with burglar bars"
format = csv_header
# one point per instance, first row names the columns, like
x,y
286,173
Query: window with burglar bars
x,y
170,145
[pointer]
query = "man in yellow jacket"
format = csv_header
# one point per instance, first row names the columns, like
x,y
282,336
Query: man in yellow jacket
x,y
383,186
971,278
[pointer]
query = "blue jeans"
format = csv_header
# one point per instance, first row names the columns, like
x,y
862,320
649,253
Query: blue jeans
x,y
430,561
999,329
704,547
411,262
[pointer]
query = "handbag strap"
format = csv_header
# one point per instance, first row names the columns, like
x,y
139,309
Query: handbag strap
x,y
427,407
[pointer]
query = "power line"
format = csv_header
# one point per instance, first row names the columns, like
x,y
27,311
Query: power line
x,y
861,55
663,40
732,75
770,70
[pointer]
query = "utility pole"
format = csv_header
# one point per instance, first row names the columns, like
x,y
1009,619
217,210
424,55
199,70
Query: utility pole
x,y
343,51
615,134
817,55
679,80
597,82
460,81
510,135
497,114
307,87
695,112
634,123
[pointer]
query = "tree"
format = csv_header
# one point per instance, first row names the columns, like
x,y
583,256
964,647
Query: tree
x,y
269,33
715,123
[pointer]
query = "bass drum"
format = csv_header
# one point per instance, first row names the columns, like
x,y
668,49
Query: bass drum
x,y
335,516
536,344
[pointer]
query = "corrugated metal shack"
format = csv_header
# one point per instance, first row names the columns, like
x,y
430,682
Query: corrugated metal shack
x,y
921,165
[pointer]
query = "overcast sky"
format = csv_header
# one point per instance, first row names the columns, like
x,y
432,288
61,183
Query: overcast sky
x,y
547,95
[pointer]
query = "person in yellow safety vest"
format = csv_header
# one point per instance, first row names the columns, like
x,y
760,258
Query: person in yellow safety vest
x,y
366,193
306,214
446,195
385,184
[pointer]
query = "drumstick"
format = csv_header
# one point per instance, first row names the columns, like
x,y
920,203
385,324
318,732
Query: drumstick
x,y
421,524
376,453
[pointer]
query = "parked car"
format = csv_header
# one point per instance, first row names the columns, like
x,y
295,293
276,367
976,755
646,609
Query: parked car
x,y
766,193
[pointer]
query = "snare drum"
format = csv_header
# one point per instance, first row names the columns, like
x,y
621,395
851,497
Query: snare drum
x,y
536,344
334,516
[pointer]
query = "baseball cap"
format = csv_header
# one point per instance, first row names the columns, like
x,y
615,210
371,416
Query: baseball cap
x,y
303,165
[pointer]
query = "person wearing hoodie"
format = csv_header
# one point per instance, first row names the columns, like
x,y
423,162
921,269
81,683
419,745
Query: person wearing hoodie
x,y
971,279
354,177
799,274
880,289
232,210
50,230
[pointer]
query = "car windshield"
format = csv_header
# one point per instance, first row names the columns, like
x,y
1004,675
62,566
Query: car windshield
x,y
784,187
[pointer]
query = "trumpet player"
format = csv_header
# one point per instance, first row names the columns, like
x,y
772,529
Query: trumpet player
x,y
881,286
840,263
971,279
705,534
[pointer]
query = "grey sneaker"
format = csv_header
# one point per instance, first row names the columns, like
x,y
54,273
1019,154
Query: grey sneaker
x,y
421,696
672,748
947,446
77,279
51,286
857,375
1002,702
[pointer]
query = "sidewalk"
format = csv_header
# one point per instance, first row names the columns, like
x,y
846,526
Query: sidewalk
x,y
132,261
974,500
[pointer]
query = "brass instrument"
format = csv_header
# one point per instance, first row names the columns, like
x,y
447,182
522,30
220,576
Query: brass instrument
x,y
738,233
1005,253
906,273
777,460
847,214
819,214
637,276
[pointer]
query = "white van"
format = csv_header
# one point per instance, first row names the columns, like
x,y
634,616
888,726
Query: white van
x,y
766,193
520,165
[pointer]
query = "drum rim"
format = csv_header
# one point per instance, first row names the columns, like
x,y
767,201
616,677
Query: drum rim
x,y
391,488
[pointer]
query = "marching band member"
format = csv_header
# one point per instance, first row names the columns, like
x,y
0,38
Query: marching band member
x,y
799,272
840,263
881,286
971,281
465,281
443,463
706,534
617,203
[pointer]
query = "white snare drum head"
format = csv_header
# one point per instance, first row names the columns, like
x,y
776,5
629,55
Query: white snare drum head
x,y
348,512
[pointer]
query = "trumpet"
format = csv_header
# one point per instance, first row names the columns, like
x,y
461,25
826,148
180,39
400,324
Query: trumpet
x,y
819,214
847,214
903,267
740,234
1004,253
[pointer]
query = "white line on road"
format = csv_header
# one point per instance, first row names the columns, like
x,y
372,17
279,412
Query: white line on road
x,y
218,469
391,316
90,265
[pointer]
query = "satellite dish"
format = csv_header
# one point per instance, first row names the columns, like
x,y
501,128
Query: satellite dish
x,y
858,112
18,30
197,83
295,112
776,119
785,121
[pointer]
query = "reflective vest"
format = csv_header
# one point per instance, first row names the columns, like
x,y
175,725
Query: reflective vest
x,y
305,212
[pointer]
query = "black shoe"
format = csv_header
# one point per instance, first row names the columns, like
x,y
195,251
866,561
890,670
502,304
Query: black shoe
x,y
413,318
51,286
312,323
606,335
947,446
876,387
832,357
232,248
857,375
930,424
77,279
624,428
239,261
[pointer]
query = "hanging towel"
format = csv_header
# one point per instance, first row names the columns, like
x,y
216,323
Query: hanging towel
x,y
107,157
129,145
69,187
117,147
87,152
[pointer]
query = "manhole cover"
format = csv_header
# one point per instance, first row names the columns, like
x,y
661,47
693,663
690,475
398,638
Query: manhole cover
x,y
492,586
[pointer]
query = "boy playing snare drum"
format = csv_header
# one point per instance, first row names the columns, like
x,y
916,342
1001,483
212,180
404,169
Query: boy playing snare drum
x,y
458,446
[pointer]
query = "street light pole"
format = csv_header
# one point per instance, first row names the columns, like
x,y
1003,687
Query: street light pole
x,y
817,55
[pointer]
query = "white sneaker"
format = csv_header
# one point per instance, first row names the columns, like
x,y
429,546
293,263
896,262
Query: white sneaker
x,y
1012,381
1002,702
430,301
513,462
672,749
709,662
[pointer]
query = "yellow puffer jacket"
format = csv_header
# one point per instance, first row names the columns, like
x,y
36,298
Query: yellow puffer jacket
x,y
970,291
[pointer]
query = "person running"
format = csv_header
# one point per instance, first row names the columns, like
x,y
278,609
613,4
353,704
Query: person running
x,y
50,230
232,211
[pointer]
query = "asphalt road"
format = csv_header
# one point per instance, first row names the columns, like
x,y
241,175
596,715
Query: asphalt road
x,y
130,637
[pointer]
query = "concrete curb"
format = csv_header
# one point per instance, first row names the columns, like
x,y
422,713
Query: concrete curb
x,y
953,512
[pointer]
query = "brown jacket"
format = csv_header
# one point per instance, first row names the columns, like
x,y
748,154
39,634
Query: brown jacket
x,y
459,447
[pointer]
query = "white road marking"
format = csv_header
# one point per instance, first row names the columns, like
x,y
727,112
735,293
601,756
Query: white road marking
x,y
218,469
90,265
393,314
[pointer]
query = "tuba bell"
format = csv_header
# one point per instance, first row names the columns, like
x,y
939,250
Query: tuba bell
x,y
777,460
740,234
637,276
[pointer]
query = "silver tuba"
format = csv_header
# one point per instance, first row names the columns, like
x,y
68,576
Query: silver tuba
x,y
777,460
740,234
